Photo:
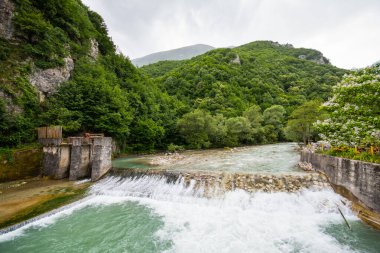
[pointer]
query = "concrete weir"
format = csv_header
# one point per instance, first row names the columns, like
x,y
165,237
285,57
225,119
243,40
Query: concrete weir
x,y
227,181
76,158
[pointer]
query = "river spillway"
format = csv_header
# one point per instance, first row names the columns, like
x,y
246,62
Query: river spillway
x,y
158,212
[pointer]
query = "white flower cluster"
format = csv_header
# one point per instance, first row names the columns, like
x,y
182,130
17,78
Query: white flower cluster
x,y
354,110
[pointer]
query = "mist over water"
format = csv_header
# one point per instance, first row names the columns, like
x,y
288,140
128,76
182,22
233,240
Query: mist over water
x,y
148,214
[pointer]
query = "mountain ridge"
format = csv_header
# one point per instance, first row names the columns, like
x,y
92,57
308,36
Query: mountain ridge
x,y
181,53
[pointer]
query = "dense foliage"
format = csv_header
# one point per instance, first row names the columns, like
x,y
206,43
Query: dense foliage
x,y
226,97
45,33
225,83
107,94
354,110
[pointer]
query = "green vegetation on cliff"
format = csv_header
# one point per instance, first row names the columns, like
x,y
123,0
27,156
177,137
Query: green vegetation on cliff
x,y
226,97
104,94
45,33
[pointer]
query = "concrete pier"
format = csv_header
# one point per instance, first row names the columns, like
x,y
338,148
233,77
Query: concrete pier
x,y
80,158
101,157
56,161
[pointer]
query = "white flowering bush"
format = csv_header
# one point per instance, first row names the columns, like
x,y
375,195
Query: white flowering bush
x,y
354,110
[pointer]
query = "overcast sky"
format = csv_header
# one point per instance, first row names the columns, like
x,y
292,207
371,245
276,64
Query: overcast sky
x,y
345,31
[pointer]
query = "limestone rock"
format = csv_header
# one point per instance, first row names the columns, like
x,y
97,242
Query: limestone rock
x,y
321,60
236,60
94,49
6,14
302,57
48,81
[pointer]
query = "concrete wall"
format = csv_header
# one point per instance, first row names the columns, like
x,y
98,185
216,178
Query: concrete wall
x,y
362,179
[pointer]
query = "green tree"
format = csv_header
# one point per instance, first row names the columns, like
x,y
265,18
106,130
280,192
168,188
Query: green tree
x,y
146,135
274,116
254,115
194,128
300,123
217,131
239,131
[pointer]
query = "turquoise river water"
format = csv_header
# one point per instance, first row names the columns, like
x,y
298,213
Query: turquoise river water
x,y
150,215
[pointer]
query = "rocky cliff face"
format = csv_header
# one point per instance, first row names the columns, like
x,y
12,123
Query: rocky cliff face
x,y
236,60
94,49
6,14
320,60
48,81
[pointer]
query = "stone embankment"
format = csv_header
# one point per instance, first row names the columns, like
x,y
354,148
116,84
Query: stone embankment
x,y
225,181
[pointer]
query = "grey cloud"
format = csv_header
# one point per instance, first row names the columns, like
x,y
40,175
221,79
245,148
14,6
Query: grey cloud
x,y
346,31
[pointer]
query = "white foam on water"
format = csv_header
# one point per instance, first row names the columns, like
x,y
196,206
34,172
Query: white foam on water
x,y
236,221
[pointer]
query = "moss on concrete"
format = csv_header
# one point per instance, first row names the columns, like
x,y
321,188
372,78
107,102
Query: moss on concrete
x,y
16,164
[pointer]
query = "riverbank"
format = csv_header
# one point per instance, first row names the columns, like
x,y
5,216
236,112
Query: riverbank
x,y
25,199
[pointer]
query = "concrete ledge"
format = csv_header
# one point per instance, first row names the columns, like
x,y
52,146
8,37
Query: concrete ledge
x,y
362,179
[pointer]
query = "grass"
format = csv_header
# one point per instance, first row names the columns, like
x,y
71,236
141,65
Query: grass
x,y
7,153
352,153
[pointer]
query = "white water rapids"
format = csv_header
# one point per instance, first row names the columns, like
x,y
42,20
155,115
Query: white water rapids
x,y
233,222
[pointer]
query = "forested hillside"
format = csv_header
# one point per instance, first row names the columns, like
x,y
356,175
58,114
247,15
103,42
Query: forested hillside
x,y
59,67
246,92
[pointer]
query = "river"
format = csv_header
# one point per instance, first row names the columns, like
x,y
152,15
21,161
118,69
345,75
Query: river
x,y
148,214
